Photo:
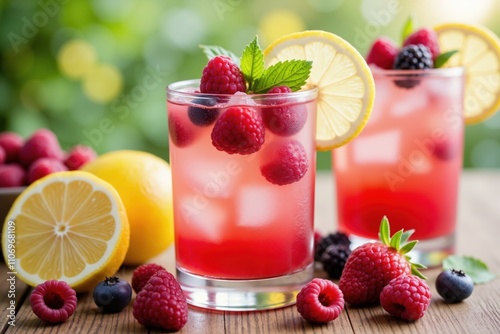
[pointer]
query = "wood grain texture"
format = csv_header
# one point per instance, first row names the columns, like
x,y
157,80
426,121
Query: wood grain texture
x,y
477,235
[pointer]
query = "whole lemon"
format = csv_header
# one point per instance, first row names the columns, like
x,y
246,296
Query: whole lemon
x,y
144,183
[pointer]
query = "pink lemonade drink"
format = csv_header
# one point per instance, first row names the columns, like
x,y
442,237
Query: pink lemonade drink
x,y
243,221
407,161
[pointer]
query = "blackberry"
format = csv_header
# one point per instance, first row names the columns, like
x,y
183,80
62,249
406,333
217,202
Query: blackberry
x,y
203,116
337,238
412,57
334,259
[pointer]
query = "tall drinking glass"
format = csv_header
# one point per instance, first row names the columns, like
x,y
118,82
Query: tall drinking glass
x,y
243,223
407,161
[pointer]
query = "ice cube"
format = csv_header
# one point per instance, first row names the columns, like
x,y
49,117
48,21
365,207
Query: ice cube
x,y
257,206
241,99
411,100
379,148
204,217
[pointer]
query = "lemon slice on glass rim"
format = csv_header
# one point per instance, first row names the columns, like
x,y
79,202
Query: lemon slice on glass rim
x,y
479,53
346,90
68,226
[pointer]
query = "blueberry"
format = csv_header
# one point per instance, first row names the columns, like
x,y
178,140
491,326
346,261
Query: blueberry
x,y
203,116
454,285
112,295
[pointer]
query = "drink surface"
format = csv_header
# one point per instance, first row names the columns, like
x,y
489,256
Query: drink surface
x,y
230,222
406,162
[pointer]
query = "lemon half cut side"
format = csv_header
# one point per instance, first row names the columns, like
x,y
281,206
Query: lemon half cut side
x,y
69,226
346,89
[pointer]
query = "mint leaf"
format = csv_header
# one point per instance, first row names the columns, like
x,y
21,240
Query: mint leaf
x,y
252,63
443,58
212,51
407,28
291,73
473,267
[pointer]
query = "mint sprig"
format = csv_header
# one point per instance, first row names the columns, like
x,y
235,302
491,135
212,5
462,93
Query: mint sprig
x,y
252,63
291,73
443,58
473,267
212,51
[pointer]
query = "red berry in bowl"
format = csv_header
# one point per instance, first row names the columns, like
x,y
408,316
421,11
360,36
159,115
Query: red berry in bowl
x,y
406,297
44,166
42,144
320,301
382,53
239,130
79,156
11,142
142,274
222,76
12,175
281,118
161,303
288,165
53,301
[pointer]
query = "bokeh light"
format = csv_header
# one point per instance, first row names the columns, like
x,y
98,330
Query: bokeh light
x,y
76,58
278,23
103,83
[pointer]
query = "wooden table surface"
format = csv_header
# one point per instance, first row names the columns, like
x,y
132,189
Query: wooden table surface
x,y
478,236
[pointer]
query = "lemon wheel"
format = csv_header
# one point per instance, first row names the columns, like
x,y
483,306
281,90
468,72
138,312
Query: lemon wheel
x,y
342,76
479,53
68,226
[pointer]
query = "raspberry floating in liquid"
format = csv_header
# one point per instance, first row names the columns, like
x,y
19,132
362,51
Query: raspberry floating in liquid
x,y
239,130
281,118
289,163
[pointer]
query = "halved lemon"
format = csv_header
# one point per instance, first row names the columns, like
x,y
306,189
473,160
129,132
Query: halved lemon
x,y
69,226
346,90
479,53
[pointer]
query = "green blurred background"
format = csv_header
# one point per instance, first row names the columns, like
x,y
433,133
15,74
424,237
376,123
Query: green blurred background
x,y
95,71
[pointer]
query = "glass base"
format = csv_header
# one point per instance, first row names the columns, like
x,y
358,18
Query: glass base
x,y
243,295
429,252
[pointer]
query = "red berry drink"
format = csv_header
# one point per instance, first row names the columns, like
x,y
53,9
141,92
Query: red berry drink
x,y
243,171
407,161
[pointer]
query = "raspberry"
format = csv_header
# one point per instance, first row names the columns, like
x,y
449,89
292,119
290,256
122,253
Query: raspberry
x,y
382,53
203,116
53,301
79,156
142,274
406,297
3,155
181,134
334,259
289,163
283,119
337,238
161,303
238,130
12,175
11,142
44,166
42,144
320,301
222,76
427,37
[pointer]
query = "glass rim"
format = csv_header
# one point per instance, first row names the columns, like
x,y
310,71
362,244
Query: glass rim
x,y
429,72
175,89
